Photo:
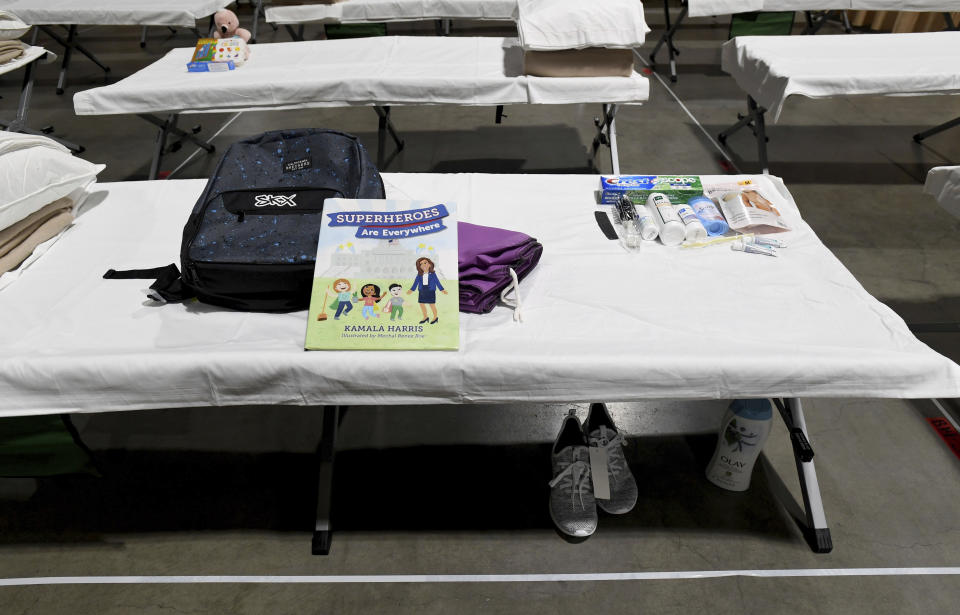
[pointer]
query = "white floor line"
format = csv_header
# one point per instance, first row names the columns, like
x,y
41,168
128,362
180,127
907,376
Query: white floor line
x,y
485,578
689,114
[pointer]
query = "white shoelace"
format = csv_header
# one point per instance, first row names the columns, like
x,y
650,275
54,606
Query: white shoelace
x,y
517,303
578,473
616,463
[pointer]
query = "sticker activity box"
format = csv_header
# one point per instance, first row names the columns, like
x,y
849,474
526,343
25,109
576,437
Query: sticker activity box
x,y
216,55
678,188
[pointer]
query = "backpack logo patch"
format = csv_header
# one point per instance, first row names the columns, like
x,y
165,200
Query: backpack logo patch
x,y
274,200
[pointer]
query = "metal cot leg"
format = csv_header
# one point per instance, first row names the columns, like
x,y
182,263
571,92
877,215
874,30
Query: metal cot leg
x,y
667,39
920,136
606,135
815,529
19,122
386,126
755,120
323,530
68,46
143,37
167,127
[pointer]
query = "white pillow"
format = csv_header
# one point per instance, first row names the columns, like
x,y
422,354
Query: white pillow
x,y
547,25
35,171
11,27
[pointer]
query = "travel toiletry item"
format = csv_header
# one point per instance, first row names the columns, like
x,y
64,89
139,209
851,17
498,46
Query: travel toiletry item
x,y
743,432
671,228
627,219
648,227
693,230
678,188
751,248
711,218
749,210
769,242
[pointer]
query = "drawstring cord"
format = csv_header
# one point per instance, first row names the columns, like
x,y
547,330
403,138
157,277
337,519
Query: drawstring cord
x,y
517,303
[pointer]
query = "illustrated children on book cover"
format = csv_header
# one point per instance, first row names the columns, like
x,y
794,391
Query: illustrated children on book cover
x,y
396,262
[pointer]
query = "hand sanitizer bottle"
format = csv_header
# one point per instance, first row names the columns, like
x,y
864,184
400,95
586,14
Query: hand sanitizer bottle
x,y
743,432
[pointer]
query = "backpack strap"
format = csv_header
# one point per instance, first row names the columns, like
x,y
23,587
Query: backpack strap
x,y
168,286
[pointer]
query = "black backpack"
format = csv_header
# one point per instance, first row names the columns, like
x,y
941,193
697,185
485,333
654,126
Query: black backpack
x,y
251,241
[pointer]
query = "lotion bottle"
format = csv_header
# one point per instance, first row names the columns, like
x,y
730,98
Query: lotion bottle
x,y
743,432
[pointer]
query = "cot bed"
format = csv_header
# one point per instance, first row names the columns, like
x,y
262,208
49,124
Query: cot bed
x,y
46,14
944,184
771,68
380,72
703,8
371,11
599,324
28,61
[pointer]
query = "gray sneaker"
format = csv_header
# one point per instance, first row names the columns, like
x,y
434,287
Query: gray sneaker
x,y
572,507
602,432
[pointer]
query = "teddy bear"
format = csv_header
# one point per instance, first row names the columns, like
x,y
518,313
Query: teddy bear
x,y
227,25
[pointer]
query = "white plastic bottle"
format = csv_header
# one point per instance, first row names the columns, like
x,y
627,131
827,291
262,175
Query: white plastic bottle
x,y
743,432
692,228
664,214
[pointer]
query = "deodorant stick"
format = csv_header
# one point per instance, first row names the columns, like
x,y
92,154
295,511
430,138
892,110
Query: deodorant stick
x,y
692,228
709,215
664,214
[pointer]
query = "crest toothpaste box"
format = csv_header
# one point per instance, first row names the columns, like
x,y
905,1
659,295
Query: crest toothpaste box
x,y
678,188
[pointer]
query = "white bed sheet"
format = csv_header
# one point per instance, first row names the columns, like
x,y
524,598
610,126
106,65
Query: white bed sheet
x,y
700,8
944,184
392,70
114,12
550,25
771,68
32,54
599,324
365,11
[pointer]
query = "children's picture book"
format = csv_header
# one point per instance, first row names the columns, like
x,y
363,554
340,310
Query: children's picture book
x,y
386,277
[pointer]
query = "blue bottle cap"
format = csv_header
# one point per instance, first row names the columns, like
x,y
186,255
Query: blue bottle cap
x,y
754,409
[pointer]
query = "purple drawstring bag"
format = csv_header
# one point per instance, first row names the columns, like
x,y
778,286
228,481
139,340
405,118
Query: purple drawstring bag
x,y
486,255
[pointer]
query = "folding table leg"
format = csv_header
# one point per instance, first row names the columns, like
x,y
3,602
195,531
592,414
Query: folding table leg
x,y
323,530
814,526
667,39
143,37
920,136
755,120
606,135
385,126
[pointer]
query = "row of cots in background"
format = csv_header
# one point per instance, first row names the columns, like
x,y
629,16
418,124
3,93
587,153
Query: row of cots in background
x,y
680,212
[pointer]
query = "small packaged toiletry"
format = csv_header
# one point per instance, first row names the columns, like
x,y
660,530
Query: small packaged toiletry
x,y
672,231
711,218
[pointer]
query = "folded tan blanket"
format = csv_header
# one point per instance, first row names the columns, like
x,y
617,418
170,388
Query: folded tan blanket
x,y
589,62
11,50
18,241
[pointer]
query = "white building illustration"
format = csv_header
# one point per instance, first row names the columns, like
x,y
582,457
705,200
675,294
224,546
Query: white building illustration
x,y
388,259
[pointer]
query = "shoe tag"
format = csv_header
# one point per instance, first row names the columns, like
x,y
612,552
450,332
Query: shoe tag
x,y
600,473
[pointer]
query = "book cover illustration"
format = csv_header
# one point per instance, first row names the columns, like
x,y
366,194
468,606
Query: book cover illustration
x,y
386,277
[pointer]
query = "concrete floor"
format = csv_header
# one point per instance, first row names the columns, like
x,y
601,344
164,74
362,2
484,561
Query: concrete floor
x,y
462,490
